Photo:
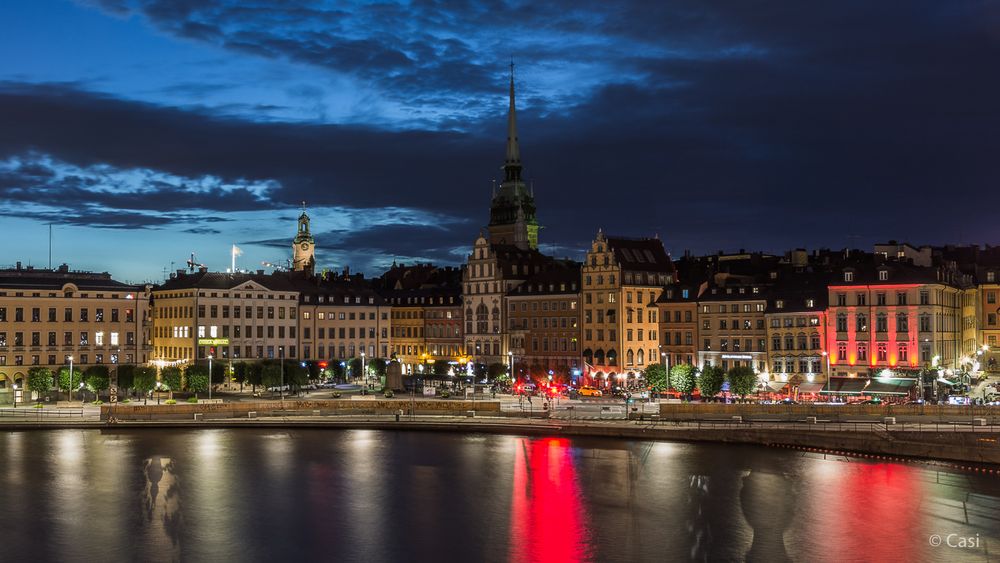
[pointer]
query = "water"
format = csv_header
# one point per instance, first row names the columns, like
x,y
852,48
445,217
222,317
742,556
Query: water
x,y
361,495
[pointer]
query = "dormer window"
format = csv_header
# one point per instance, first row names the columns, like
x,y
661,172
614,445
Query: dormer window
x,y
991,277
779,304
848,276
883,275
810,303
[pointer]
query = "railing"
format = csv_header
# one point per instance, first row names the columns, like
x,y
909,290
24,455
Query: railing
x,y
41,413
822,425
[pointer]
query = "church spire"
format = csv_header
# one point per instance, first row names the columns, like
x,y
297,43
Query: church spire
x,y
512,164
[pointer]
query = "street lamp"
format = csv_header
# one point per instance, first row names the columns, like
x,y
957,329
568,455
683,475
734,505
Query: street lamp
x,y
159,385
71,379
281,363
15,395
364,373
209,377
510,360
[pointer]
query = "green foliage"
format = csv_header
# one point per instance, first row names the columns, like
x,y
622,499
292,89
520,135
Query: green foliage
x,y
445,394
97,402
38,406
255,373
192,399
144,379
295,374
742,380
96,378
126,375
656,377
338,371
388,393
710,381
440,367
170,402
218,372
39,380
196,378
480,371
64,382
171,378
240,370
377,367
270,373
683,378
496,371
354,365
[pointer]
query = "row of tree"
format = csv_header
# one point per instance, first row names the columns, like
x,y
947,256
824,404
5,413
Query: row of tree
x,y
685,378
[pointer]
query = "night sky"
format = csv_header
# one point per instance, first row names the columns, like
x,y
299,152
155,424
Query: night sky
x,y
143,130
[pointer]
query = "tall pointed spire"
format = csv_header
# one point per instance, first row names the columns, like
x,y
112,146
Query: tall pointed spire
x,y
512,164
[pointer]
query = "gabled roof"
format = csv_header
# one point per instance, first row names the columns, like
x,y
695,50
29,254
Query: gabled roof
x,y
641,254
53,280
560,278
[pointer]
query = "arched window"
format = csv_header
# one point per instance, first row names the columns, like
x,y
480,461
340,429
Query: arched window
x,y
599,357
588,356
612,357
629,358
640,357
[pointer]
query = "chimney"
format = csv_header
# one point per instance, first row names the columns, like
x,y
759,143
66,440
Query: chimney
x,y
180,272
64,268
18,264
260,272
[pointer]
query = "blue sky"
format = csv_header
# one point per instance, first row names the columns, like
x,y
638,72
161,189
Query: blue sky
x,y
145,130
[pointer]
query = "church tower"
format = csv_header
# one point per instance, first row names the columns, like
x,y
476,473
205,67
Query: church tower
x,y
512,212
304,247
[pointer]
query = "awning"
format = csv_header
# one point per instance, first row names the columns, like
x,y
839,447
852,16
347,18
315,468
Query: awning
x,y
890,386
810,388
946,382
776,386
846,385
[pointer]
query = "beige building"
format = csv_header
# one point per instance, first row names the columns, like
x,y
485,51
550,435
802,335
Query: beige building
x,y
49,316
622,280
257,313
796,334
988,318
343,318
732,329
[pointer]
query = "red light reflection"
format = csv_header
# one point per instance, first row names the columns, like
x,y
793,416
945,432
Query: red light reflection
x,y
546,517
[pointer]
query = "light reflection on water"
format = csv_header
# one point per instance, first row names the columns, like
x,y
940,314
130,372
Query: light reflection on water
x,y
312,495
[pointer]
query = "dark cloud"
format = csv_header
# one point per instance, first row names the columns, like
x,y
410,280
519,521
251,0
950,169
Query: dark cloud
x,y
756,124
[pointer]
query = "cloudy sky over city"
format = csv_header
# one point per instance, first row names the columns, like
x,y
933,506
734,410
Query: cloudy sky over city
x,y
145,130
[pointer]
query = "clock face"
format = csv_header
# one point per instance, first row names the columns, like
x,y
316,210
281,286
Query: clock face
x,y
305,246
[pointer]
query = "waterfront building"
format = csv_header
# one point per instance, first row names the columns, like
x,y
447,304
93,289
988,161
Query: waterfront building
x,y
678,314
988,317
343,317
48,316
795,317
257,313
893,315
622,279
544,324
731,319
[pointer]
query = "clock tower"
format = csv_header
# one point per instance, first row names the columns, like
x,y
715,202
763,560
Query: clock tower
x,y
304,247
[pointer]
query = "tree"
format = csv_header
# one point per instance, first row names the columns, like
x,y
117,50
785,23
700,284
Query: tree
x,y
144,379
254,374
240,372
683,378
440,367
270,374
126,376
710,381
39,381
171,378
496,371
218,372
196,378
354,364
96,379
295,373
64,381
656,377
742,380
338,371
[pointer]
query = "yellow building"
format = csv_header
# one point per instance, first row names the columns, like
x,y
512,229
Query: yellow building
x,y
48,317
622,279
796,335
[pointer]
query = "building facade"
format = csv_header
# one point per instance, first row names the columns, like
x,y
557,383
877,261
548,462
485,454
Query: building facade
x,y
732,329
622,279
49,316
342,318
796,334
678,313
544,323
893,316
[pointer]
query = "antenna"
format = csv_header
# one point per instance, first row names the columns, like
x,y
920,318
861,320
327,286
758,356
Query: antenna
x,y
50,246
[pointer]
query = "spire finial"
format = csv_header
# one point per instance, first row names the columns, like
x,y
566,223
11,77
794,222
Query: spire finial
x,y
512,164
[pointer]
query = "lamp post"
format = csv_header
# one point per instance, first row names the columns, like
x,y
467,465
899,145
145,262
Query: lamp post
x,y
210,377
71,379
510,361
281,365
15,395
159,385
364,373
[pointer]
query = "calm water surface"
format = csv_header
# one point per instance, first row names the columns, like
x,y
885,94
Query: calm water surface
x,y
360,495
